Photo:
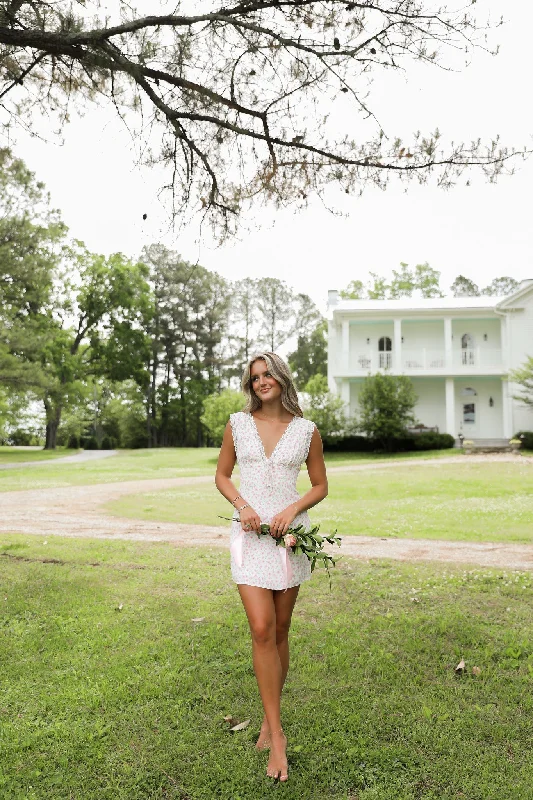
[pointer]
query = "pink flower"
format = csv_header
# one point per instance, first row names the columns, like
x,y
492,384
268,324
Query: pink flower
x,y
290,540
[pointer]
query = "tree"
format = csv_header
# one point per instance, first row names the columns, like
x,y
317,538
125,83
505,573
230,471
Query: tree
x,y
524,378
274,302
386,404
96,329
404,283
464,287
32,239
243,324
311,355
217,408
354,291
325,409
257,78
378,289
427,281
190,320
501,287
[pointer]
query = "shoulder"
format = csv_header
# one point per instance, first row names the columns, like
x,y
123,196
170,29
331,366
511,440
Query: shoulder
x,y
307,426
237,420
237,416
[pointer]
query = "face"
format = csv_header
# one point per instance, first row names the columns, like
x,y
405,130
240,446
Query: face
x,y
263,384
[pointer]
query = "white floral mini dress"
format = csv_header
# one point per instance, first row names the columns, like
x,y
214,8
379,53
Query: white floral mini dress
x,y
268,485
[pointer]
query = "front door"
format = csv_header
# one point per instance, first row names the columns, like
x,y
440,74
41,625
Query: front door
x,y
470,419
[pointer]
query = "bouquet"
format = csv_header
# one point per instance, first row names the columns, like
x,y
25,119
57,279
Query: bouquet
x,y
310,543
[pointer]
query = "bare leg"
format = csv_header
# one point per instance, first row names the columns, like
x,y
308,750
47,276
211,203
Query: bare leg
x,y
261,612
284,605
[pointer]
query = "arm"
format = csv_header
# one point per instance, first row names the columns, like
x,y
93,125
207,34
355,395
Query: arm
x,y
226,487
316,469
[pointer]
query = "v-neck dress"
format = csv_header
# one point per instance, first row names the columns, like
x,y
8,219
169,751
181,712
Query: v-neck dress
x,y
268,485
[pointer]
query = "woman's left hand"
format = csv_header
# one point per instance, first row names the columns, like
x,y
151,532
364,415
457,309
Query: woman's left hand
x,y
281,522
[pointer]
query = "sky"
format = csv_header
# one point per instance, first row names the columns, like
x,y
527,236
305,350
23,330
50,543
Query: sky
x,y
482,231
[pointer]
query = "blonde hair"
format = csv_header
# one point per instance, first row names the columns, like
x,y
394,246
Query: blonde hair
x,y
281,372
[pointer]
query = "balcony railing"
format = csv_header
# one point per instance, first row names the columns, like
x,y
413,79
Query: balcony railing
x,y
425,360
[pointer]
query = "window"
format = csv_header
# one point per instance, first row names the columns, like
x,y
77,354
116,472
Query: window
x,y
469,414
467,350
385,352
469,392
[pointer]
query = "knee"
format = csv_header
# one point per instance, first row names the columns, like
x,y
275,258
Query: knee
x,y
263,633
282,631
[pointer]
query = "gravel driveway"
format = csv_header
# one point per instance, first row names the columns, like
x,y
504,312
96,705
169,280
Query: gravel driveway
x,y
76,511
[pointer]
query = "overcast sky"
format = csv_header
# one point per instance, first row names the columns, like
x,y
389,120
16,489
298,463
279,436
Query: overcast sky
x,y
482,231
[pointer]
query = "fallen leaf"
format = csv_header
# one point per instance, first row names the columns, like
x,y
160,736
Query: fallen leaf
x,y
120,607
241,726
461,666
476,670
197,619
231,720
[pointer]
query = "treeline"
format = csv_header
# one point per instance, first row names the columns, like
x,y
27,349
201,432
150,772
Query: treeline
x,y
424,281
118,351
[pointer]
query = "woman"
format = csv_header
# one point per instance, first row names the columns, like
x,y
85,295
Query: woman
x,y
270,440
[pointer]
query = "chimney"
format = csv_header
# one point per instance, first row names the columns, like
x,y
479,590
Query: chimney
x,y
333,297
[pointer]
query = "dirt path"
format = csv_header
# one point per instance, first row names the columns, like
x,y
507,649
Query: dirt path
x,y
76,511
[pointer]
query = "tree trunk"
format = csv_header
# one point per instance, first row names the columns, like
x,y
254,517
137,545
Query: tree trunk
x,y
53,418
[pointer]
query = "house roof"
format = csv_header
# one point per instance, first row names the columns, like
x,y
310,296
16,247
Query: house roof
x,y
525,288
415,303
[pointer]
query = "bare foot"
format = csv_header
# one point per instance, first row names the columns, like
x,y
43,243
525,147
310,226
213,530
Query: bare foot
x,y
263,743
277,763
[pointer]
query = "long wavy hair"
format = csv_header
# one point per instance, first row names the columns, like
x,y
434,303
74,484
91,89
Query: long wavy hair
x,y
281,372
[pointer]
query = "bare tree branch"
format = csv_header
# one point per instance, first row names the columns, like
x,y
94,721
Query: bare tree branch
x,y
240,96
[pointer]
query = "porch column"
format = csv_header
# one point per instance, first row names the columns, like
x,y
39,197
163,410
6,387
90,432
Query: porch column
x,y
450,407
333,355
345,396
397,363
507,410
448,346
345,345
504,359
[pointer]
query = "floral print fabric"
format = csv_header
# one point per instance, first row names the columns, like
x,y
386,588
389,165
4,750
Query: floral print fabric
x,y
268,485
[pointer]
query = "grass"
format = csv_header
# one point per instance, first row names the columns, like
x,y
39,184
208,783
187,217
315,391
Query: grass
x,y
128,465
346,459
119,661
143,464
471,502
15,455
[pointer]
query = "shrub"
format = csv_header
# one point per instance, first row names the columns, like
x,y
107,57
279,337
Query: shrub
x,y
351,444
21,438
433,441
108,443
325,409
526,437
399,444
386,404
217,408
91,443
73,442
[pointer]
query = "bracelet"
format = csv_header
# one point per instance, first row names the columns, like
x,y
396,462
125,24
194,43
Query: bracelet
x,y
237,498
243,507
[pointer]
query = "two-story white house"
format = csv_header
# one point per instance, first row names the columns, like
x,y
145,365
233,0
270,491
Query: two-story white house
x,y
456,350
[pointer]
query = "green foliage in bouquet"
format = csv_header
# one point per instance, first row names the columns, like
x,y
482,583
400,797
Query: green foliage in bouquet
x,y
310,543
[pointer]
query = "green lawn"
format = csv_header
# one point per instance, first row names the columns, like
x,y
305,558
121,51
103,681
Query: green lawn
x,y
128,465
139,465
473,501
14,455
118,662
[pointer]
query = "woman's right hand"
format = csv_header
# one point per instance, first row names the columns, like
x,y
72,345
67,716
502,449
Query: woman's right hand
x,y
249,520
